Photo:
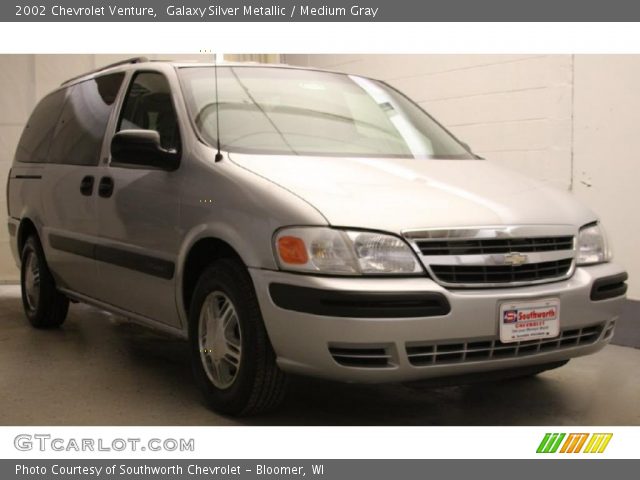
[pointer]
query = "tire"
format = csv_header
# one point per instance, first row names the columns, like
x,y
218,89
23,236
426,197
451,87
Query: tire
x,y
233,362
43,305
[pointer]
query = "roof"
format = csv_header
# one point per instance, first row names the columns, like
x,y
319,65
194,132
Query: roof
x,y
182,64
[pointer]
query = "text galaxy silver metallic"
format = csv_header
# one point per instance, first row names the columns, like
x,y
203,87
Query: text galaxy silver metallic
x,y
222,11
270,11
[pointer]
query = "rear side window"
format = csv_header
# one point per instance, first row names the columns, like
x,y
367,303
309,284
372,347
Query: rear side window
x,y
148,106
36,137
77,139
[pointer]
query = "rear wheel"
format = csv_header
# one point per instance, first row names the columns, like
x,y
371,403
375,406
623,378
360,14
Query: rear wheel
x,y
43,305
233,361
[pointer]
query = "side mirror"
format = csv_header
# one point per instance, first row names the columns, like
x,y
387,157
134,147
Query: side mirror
x,y
468,149
141,148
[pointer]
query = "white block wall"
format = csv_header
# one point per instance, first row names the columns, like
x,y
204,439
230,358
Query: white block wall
x,y
571,121
606,150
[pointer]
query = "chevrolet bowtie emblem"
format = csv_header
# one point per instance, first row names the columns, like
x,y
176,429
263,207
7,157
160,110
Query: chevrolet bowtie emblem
x,y
515,259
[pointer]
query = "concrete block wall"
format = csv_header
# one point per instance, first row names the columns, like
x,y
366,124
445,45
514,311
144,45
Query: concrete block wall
x,y
606,155
569,120
17,99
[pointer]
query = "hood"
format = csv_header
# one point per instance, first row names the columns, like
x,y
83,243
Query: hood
x,y
401,194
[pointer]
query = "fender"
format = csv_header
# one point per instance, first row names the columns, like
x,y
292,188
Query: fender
x,y
28,213
220,231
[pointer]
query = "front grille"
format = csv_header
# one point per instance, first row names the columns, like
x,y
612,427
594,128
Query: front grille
x,y
495,256
364,357
423,354
492,274
494,246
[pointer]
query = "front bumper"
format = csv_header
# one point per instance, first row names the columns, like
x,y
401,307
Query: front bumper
x,y
370,347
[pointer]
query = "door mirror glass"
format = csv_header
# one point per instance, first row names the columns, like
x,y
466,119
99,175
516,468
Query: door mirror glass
x,y
142,148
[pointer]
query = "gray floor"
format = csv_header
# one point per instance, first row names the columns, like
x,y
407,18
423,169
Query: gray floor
x,y
97,370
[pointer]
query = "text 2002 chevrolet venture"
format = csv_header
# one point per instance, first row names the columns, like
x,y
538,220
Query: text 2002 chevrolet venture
x,y
341,232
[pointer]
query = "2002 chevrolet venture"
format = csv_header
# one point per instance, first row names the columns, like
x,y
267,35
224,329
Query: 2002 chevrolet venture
x,y
325,225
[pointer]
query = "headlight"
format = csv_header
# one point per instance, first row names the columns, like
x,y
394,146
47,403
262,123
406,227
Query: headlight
x,y
343,252
592,245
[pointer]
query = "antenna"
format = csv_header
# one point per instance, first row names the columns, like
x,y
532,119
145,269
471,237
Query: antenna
x,y
215,70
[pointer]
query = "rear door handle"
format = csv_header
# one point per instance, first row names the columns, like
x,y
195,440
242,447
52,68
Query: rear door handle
x,y
86,185
105,188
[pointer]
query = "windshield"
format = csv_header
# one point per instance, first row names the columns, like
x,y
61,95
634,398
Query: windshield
x,y
303,112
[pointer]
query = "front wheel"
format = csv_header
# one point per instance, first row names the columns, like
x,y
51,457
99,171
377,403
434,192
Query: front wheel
x,y
232,358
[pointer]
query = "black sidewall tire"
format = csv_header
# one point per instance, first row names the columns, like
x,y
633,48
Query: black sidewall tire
x,y
231,278
52,307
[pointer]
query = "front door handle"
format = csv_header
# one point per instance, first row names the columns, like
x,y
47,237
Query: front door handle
x,y
86,186
105,188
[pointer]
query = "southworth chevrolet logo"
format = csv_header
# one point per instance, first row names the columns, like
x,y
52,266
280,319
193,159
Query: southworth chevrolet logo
x,y
574,443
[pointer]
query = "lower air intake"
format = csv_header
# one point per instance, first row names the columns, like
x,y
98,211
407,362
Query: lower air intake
x,y
363,357
421,354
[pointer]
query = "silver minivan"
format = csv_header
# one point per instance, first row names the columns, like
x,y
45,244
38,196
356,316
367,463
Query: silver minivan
x,y
289,220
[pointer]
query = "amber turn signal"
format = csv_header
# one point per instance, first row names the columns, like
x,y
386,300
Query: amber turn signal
x,y
292,250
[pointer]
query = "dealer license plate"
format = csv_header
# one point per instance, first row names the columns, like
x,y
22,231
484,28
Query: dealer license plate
x,y
522,321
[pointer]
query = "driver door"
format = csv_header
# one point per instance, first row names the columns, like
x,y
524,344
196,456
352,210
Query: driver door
x,y
139,211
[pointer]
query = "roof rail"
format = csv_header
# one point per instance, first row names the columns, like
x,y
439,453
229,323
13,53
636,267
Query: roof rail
x,y
111,65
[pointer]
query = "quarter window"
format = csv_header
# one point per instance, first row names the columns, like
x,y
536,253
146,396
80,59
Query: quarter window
x,y
36,137
80,131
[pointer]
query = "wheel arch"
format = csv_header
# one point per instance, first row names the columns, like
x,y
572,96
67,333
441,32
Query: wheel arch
x,y
199,256
26,228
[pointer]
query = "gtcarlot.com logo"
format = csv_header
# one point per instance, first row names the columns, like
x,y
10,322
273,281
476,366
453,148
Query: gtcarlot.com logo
x,y
574,443
46,443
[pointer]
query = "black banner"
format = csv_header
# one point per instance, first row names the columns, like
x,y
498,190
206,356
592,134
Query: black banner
x,y
318,11
320,469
